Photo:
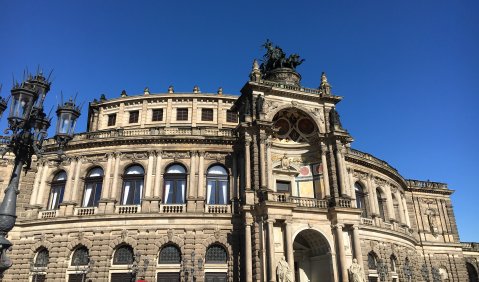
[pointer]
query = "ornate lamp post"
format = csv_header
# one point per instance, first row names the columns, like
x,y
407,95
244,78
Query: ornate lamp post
x,y
190,270
28,125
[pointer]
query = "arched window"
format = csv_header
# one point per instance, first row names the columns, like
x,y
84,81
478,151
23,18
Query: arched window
x,y
132,185
175,184
57,189
169,254
372,261
471,272
217,185
381,204
123,255
80,257
393,263
396,207
360,199
41,259
216,254
407,270
93,185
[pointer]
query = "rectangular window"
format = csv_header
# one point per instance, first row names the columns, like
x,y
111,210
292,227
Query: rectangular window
x,y
283,186
134,117
157,115
231,116
111,120
207,114
182,114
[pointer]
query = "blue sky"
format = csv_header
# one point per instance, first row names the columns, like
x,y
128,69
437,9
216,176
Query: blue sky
x,y
408,70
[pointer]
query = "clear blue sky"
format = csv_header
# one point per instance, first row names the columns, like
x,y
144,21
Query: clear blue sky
x,y
408,70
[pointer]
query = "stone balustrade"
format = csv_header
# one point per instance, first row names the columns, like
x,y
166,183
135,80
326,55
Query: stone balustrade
x,y
149,132
226,209
470,246
85,211
367,221
426,184
387,225
173,208
309,202
47,214
128,209
344,203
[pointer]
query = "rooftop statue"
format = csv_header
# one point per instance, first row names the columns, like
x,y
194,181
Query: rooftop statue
x,y
276,58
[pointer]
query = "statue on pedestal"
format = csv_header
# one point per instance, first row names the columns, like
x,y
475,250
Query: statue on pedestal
x,y
356,272
283,272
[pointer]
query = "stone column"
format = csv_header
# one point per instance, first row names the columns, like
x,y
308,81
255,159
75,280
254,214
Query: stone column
x,y
339,165
357,246
342,256
406,213
200,204
271,256
269,167
289,245
41,191
401,209
247,161
191,205
158,177
248,253
324,165
262,162
76,180
373,196
36,183
106,185
148,193
389,203
116,176
68,193
149,175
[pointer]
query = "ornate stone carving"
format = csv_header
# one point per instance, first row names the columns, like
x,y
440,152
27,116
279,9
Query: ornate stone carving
x,y
135,156
124,234
356,272
283,272
380,181
360,174
170,233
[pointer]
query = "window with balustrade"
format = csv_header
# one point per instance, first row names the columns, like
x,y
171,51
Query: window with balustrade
x,y
217,185
123,255
80,257
174,184
133,179
169,254
381,204
93,186
216,254
360,199
57,189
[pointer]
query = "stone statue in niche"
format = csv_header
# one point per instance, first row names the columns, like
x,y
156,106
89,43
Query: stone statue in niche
x,y
431,219
283,272
356,272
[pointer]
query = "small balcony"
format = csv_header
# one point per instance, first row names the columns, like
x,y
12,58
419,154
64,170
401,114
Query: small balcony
x,y
386,225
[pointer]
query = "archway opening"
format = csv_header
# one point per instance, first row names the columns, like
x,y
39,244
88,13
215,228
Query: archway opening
x,y
312,257
471,272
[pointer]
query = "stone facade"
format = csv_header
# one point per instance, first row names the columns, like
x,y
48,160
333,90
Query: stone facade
x,y
233,183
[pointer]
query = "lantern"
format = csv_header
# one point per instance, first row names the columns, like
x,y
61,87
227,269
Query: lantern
x,y
67,114
23,97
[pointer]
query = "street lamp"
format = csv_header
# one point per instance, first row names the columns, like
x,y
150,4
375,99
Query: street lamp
x,y
28,125
190,271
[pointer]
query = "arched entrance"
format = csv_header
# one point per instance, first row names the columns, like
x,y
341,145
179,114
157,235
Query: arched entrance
x,y
471,272
312,257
